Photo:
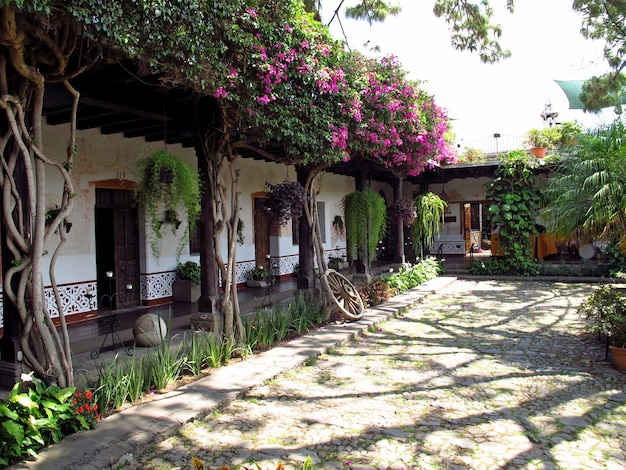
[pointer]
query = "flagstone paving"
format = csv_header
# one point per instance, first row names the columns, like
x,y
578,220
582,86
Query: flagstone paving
x,y
481,375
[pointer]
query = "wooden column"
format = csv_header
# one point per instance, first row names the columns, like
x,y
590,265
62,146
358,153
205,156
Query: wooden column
x,y
305,240
398,226
209,277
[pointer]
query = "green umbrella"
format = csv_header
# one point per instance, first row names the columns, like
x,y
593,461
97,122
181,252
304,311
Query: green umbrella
x,y
572,89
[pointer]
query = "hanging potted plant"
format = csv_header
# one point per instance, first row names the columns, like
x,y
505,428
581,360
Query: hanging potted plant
x,y
366,223
403,210
285,201
430,210
164,184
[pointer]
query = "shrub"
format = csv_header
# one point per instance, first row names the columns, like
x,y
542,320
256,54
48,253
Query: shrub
x,y
605,312
259,273
375,292
188,271
505,267
36,415
383,288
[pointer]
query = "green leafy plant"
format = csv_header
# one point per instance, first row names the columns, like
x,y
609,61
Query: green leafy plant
x,y
259,273
36,415
615,259
164,183
366,222
506,266
470,155
165,364
585,197
408,277
190,270
605,311
429,209
268,327
240,236
381,289
515,203
547,137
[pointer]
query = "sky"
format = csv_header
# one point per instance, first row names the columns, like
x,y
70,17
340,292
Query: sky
x,y
483,99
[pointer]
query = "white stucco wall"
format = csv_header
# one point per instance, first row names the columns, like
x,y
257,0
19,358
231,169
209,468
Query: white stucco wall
x,y
111,157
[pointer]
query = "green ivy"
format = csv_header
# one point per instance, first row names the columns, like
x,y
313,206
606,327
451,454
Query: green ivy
x,y
515,203
164,184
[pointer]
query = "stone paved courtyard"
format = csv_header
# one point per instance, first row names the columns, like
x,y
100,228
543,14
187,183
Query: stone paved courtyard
x,y
481,375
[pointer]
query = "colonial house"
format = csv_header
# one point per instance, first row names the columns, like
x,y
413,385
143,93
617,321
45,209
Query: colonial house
x,y
108,250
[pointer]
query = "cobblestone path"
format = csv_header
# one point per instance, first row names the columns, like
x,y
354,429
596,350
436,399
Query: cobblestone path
x,y
482,375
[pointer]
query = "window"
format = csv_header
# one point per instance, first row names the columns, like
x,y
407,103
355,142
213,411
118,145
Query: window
x,y
321,217
194,240
295,231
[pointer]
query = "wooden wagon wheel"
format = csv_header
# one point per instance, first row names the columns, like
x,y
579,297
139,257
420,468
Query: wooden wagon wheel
x,y
345,295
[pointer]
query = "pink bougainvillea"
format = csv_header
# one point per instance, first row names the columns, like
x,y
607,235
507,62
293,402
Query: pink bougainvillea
x,y
291,83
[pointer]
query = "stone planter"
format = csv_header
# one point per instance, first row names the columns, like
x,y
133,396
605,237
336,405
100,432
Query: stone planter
x,y
259,283
338,265
184,290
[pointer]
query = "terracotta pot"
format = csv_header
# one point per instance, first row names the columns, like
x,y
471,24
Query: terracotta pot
x,y
539,152
619,358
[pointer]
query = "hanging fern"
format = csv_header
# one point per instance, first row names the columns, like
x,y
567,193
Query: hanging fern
x,y
164,183
366,221
430,210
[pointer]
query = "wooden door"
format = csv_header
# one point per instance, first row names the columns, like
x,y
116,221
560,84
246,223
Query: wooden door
x,y
117,249
126,253
261,233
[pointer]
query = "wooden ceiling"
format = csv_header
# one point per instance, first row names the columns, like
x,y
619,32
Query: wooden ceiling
x,y
115,100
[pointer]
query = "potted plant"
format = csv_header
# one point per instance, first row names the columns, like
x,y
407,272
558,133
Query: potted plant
x,y
186,287
338,224
285,201
605,312
258,277
366,224
429,216
403,210
164,184
540,140
337,262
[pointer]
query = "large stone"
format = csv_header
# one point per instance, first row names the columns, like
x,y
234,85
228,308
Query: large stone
x,y
149,330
